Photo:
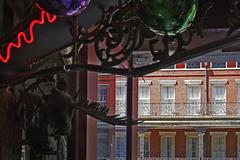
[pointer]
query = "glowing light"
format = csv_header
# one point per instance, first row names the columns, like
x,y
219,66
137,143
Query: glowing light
x,y
21,36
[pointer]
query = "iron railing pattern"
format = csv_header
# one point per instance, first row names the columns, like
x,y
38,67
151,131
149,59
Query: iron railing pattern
x,y
183,109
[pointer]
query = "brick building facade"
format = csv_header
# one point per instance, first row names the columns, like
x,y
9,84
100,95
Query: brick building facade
x,y
190,110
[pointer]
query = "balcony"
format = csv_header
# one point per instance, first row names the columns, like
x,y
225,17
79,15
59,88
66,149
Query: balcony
x,y
207,158
188,109
187,114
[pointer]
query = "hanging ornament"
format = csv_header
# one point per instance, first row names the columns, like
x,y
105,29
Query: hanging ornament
x,y
63,7
168,17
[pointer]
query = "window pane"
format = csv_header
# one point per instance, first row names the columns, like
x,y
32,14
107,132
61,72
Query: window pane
x,y
193,65
167,147
167,105
192,147
120,146
143,100
121,100
218,64
103,95
218,146
219,99
102,145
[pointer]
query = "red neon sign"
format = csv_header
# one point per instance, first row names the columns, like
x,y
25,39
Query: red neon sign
x,y
21,36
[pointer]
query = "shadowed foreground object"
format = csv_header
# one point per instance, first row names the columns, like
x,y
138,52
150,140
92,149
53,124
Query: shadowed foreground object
x,y
63,7
168,17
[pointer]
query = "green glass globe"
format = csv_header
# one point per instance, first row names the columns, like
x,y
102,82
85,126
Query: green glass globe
x,y
168,17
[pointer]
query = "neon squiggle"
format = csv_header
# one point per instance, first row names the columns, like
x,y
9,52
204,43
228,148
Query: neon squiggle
x,y
21,36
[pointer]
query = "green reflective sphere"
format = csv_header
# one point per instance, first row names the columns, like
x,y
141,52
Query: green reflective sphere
x,y
168,17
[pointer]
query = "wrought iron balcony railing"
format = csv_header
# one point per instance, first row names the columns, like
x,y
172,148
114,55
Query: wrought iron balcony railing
x,y
183,109
205,158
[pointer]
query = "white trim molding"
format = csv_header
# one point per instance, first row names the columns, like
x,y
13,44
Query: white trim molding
x,y
168,82
121,82
167,133
146,82
218,81
191,133
218,133
193,82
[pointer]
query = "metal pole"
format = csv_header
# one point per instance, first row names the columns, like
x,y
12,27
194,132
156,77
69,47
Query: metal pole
x,y
129,113
206,88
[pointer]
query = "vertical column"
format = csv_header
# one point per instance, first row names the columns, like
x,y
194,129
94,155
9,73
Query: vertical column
x,y
92,96
141,145
77,141
201,141
135,116
129,117
200,144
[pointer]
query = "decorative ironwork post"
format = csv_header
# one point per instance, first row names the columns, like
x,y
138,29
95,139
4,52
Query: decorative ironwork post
x,y
129,112
1,17
78,81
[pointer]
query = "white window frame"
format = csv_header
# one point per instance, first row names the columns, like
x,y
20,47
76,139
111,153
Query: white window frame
x,y
103,86
144,109
238,144
121,109
141,150
218,134
191,135
214,83
164,108
191,108
171,135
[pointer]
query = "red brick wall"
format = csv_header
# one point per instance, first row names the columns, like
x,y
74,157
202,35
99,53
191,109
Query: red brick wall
x,y
180,144
180,141
155,141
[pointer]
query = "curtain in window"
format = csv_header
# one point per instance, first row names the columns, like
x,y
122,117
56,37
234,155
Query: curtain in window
x,y
167,100
143,100
219,99
219,147
167,146
219,93
193,100
121,100
192,147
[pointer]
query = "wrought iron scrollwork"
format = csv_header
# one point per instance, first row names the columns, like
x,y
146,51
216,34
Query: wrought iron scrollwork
x,y
234,16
